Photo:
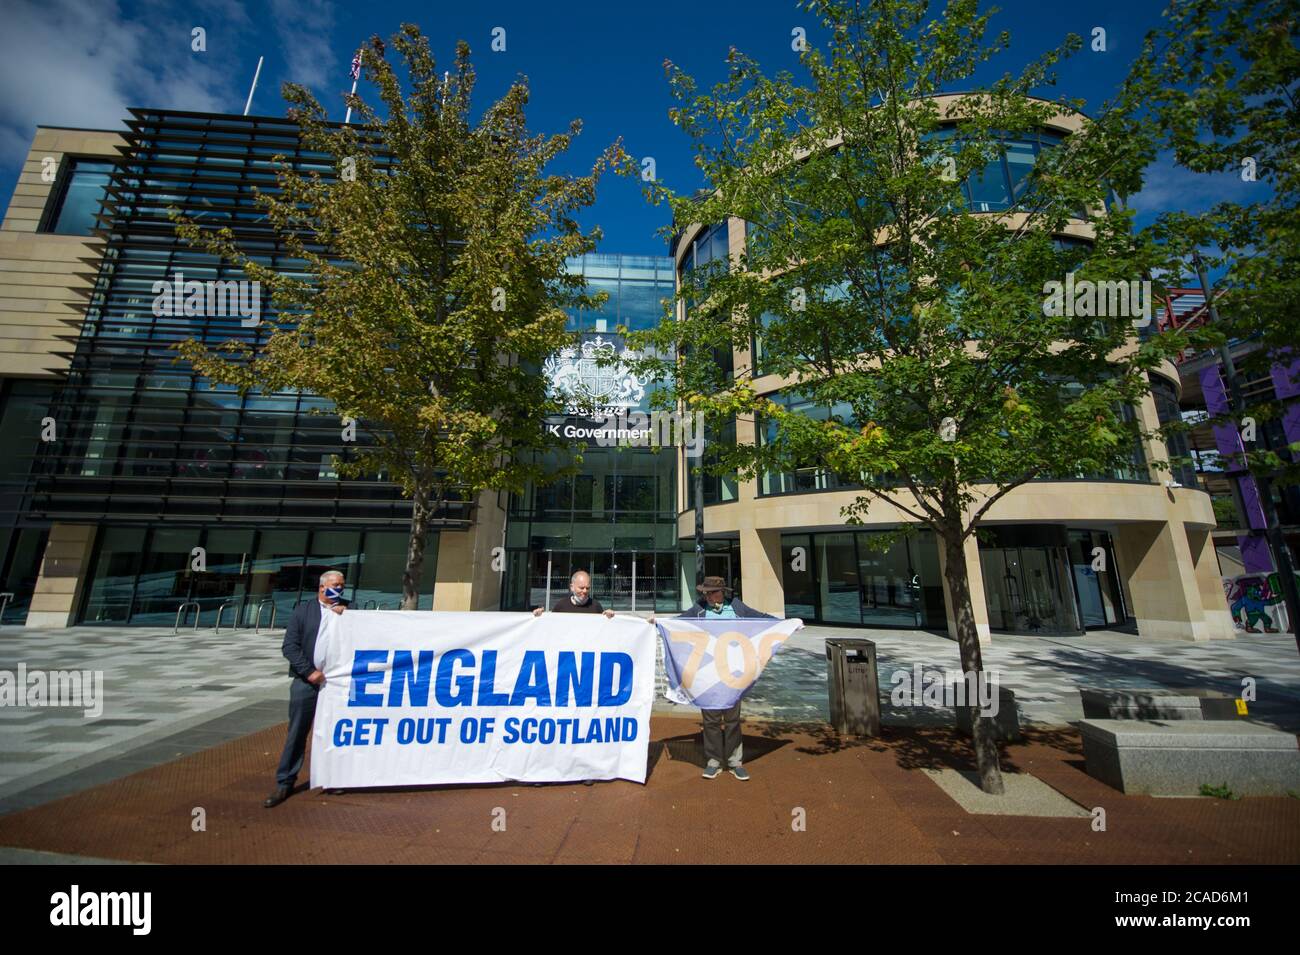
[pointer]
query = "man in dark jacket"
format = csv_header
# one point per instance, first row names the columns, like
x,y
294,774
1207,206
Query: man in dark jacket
x,y
305,651
722,739
579,599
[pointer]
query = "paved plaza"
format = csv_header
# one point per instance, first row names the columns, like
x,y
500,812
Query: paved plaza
x,y
198,709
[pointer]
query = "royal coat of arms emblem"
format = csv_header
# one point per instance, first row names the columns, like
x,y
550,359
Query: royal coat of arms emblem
x,y
587,384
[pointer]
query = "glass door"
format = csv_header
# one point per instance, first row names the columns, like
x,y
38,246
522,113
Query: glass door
x,y
622,580
1029,590
889,586
230,555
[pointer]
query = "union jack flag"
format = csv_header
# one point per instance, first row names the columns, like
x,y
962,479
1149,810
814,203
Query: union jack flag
x,y
356,66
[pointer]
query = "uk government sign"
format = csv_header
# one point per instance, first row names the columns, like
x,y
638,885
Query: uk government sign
x,y
423,698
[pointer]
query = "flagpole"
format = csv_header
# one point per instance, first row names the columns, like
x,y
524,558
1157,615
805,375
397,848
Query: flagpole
x,y
348,117
356,75
248,105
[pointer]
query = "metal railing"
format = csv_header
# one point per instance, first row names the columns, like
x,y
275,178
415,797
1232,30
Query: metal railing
x,y
4,604
370,605
198,612
257,620
220,610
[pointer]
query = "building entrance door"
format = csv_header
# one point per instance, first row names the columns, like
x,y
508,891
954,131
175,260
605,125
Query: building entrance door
x,y
1029,590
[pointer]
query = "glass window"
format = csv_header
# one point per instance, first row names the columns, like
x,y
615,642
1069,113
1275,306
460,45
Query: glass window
x,y
333,550
988,189
112,578
1020,162
277,571
1182,468
798,576
378,581
166,573
839,591
79,197
890,588
639,304
24,566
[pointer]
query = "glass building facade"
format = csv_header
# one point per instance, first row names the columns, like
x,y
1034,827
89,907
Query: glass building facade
x,y
160,460
23,406
617,517
1037,577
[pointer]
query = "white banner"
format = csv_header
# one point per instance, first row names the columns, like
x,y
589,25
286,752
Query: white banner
x,y
417,698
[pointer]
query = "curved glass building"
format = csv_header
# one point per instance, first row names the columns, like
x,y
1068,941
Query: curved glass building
x,y
1034,573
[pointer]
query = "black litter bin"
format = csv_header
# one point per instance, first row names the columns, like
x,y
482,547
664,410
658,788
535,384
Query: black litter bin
x,y
853,686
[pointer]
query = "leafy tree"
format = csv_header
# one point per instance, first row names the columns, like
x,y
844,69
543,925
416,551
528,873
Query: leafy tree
x,y
434,281
878,290
1218,85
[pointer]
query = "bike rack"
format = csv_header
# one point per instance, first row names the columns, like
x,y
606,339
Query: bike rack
x,y
4,604
198,612
257,621
220,610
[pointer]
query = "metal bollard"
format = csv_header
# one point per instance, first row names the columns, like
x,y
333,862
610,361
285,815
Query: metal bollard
x,y
198,611
257,620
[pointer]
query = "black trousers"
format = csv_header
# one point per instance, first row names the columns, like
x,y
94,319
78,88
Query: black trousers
x,y
722,746
302,710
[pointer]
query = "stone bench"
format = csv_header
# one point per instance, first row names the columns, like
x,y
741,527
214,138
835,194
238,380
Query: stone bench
x,y
1177,757
1157,704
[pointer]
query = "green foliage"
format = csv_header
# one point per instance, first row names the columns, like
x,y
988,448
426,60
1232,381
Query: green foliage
x,y
1218,792
882,293
435,275
1225,512
1217,86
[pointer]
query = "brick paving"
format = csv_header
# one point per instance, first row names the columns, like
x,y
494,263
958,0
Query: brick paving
x,y
203,727
863,801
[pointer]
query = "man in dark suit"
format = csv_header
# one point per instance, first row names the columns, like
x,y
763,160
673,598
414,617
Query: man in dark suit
x,y
305,652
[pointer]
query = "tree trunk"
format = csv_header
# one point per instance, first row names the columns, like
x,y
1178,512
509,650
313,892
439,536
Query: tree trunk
x,y
968,641
415,547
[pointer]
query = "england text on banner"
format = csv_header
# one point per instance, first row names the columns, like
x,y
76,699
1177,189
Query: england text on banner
x,y
422,697
713,663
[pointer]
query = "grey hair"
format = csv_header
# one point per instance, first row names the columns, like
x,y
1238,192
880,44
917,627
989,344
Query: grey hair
x,y
332,573
576,573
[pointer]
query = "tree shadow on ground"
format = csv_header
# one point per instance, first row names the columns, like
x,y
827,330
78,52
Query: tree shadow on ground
x,y
925,747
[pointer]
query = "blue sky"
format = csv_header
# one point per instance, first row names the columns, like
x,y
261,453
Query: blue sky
x,y
82,62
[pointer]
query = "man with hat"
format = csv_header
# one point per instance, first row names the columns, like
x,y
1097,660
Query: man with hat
x,y
722,740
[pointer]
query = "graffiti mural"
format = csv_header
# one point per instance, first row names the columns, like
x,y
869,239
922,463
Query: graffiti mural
x,y
1255,601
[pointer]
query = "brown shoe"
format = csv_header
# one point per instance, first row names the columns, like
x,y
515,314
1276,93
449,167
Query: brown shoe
x,y
277,797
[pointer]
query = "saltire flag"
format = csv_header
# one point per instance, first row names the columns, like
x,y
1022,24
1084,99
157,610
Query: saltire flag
x,y
713,663
356,66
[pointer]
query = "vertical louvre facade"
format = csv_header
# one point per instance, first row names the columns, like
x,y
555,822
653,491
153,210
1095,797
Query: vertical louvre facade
x,y
142,438
151,461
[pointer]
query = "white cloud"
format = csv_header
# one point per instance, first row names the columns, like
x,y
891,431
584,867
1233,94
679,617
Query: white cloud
x,y
80,63
1169,187
303,27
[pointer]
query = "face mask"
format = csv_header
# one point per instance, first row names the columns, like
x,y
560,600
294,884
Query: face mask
x,y
333,593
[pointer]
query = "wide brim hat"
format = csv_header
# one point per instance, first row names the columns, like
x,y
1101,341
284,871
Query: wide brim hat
x,y
714,583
